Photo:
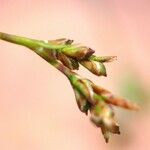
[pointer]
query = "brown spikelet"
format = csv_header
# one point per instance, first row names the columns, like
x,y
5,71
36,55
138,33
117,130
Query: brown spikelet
x,y
95,67
82,103
115,100
79,53
102,116
68,62
88,90
98,89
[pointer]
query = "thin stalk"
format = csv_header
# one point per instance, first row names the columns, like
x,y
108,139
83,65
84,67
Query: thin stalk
x,y
30,43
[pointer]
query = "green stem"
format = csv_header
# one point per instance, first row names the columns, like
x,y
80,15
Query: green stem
x,y
30,43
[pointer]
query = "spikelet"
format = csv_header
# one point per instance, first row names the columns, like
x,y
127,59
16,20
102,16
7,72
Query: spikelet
x,y
95,67
68,61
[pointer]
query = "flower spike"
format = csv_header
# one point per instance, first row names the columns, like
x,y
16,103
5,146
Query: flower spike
x,y
65,57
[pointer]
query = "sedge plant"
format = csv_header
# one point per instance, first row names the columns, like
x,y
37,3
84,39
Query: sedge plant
x,y
91,99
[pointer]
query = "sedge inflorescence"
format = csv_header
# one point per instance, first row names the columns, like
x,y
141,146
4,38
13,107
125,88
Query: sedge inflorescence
x,y
93,100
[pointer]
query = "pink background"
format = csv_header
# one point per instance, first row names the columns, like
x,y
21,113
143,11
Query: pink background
x,y
37,105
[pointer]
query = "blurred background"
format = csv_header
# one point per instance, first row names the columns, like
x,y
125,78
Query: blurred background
x,y
38,110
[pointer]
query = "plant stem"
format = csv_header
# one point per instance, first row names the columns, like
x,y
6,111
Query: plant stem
x,y
30,43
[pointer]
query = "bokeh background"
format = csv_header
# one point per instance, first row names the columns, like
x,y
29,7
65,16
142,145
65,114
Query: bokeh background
x,y
37,105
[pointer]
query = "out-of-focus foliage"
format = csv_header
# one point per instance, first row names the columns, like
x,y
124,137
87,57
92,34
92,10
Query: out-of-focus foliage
x,y
130,86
